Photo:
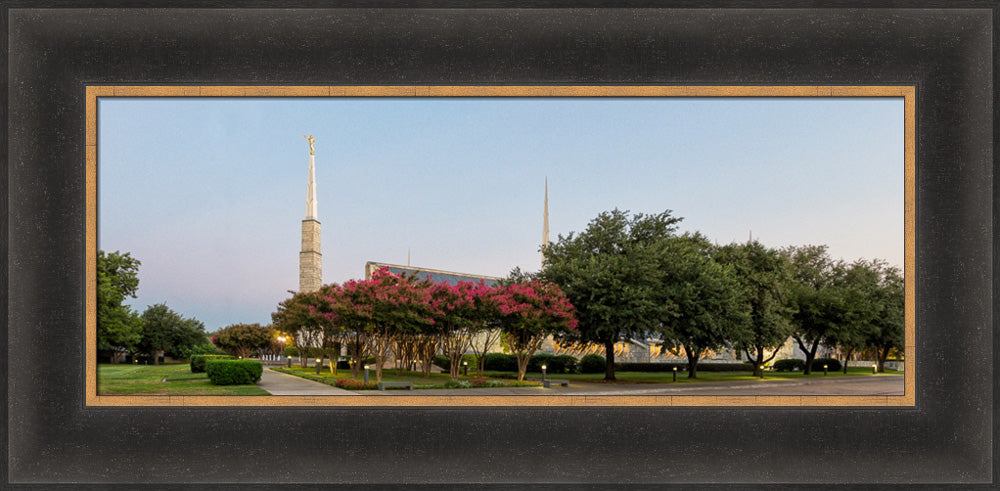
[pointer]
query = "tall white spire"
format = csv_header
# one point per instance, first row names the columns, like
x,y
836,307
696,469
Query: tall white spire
x,y
545,220
310,258
311,190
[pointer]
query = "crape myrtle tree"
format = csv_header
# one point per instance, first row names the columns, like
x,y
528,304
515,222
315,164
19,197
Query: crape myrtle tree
x,y
385,306
166,332
487,332
458,317
297,316
530,312
609,274
705,296
119,328
764,275
819,297
243,340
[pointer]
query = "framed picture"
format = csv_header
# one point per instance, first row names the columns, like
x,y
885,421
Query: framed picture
x,y
61,61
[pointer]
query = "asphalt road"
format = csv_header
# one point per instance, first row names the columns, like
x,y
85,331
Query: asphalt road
x,y
815,385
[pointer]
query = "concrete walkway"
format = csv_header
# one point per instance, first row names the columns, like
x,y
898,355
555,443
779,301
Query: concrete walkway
x,y
280,384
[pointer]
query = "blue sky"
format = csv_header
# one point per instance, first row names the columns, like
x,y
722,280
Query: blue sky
x,y
209,193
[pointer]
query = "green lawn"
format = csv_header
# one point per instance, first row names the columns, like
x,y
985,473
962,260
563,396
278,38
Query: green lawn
x,y
437,380
622,377
434,381
149,380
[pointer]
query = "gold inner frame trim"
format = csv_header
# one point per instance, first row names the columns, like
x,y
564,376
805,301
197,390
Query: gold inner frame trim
x,y
908,93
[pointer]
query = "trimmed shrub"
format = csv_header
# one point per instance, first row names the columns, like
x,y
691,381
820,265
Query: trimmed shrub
x,y
198,361
499,362
682,366
832,364
291,351
569,363
351,384
791,365
234,372
593,363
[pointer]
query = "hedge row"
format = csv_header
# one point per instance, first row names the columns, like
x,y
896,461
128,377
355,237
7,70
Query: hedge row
x,y
198,361
797,365
682,365
234,372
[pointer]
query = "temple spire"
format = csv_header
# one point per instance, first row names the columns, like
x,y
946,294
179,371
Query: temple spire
x,y
310,258
545,219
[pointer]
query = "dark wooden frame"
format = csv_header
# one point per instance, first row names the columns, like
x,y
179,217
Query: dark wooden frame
x,y
53,437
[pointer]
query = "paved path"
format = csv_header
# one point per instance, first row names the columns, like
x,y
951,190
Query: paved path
x,y
280,384
880,385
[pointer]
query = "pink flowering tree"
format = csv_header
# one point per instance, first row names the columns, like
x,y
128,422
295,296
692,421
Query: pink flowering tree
x,y
456,310
385,306
530,311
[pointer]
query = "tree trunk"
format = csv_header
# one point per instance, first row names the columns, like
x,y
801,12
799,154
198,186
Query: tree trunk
x,y
156,356
609,356
692,357
757,363
810,354
847,358
882,355
522,365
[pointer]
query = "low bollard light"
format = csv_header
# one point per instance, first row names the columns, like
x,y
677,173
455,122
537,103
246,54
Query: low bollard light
x,y
543,372
874,367
675,374
465,368
762,371
319,364
366,374
289,361
824,370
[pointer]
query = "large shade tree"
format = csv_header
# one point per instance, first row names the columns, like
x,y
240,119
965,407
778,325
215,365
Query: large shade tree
x,y
165,332
119,328
764,275
609,273
887,331
704,295
819,297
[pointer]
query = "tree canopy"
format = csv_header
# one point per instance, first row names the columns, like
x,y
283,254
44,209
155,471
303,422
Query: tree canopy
x,y
610,273
118,326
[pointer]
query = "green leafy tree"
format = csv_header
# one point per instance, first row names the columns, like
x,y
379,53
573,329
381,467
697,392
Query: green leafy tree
x,y
819,296
860,293
609,272
764,275
705,296
888,324
243,340
166,332
119,328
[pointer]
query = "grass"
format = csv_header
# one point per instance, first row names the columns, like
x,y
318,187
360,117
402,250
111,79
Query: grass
x,y
438,380
623,377
434,381
149,380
